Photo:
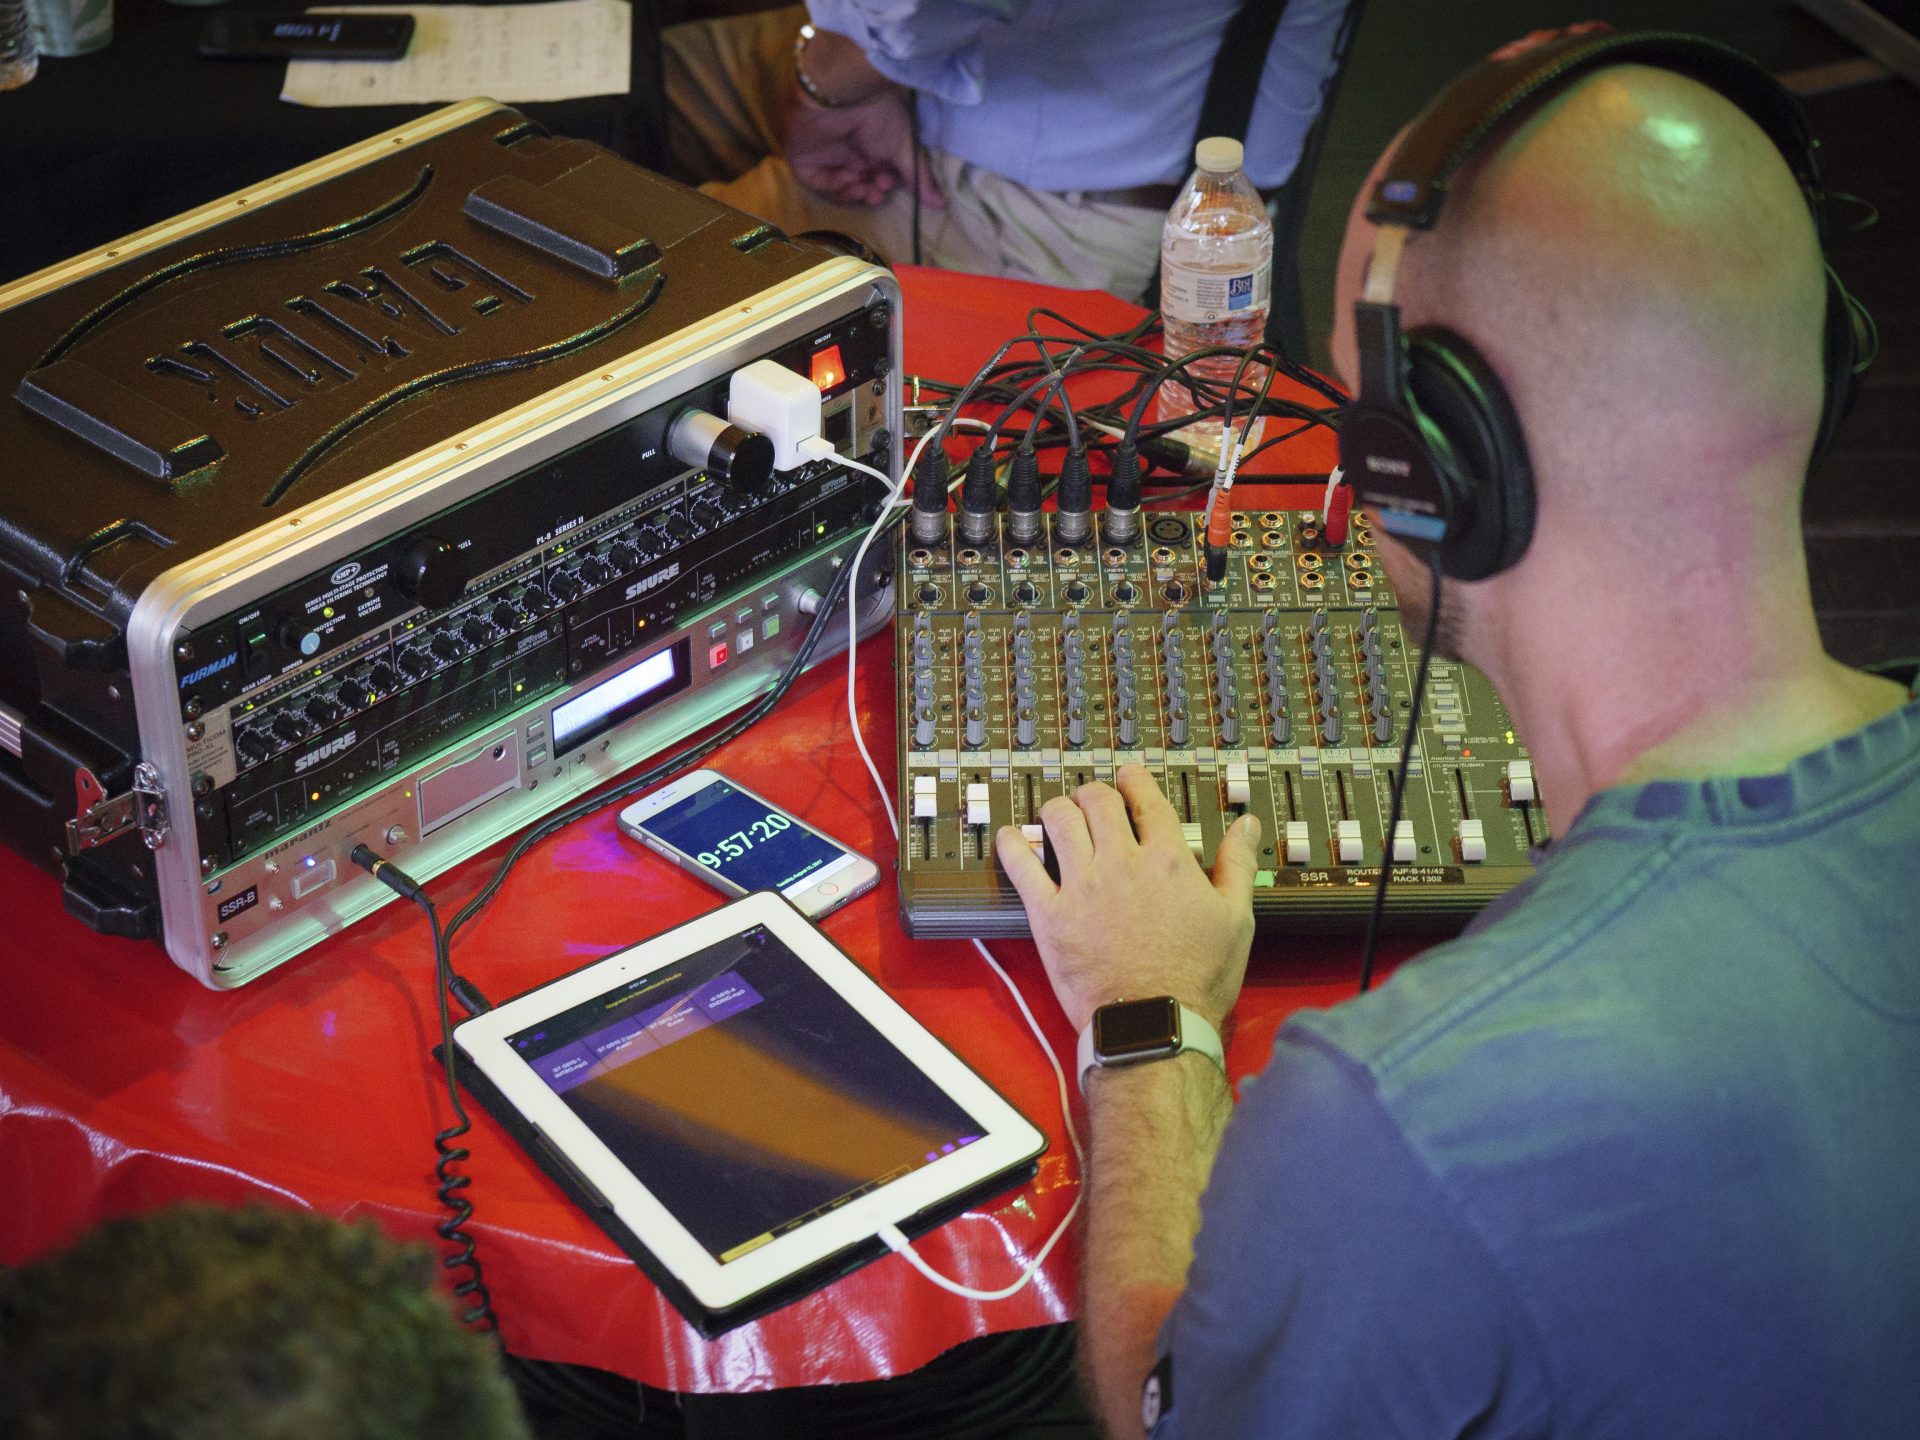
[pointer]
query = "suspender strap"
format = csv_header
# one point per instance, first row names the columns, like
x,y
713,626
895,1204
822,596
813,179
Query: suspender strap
x,y
1234,83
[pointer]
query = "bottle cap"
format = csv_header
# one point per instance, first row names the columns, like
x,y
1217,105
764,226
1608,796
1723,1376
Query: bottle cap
x,y
1219,155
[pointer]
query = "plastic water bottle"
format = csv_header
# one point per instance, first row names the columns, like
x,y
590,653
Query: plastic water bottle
x,y
19,61
1216,270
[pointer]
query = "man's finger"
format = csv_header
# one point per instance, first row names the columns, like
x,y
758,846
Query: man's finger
x,y
1237,860
1067,828
1023,867
1107,820
1153,818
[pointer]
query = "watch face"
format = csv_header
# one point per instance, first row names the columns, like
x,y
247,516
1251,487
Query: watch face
x,y
1130,1028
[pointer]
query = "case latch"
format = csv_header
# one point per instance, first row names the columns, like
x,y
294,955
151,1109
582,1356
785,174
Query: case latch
x,y
100,817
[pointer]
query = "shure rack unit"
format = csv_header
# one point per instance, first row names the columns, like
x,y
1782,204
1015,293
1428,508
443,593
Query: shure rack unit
x,y
396,500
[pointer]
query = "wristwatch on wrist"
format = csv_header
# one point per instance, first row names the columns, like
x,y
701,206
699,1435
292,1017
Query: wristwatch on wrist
x,y
814,92
1129,1032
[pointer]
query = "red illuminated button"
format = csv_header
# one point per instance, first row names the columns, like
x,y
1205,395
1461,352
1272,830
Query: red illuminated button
x,y
716,655
828,370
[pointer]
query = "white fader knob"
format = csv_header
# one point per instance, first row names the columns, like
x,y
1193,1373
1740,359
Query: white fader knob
x,y
1520,782
1405,848
926,797
1239,784
1348,832
979,811
1473,842
1299,844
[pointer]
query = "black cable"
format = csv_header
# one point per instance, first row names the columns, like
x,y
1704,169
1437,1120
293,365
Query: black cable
x,y
461,1255
1400,779
913,137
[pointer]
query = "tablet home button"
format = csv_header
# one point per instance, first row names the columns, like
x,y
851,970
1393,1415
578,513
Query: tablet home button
x,y
827,887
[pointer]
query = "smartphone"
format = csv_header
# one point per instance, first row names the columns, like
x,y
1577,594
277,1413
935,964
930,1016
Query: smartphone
x,y
306,37
739,842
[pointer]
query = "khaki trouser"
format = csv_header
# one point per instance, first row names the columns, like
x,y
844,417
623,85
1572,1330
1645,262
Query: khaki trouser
x,y
727,84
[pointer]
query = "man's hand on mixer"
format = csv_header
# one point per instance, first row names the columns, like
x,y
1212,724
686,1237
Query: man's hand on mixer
x,y
1134,915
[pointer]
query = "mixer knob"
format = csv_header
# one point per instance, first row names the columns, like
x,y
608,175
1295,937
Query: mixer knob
x,y
1024,731
1330,728
1126,592
504,616
595,571
445,649
1229,729
923,729
1076,727
1076,593
432,572
251,747
679,530
382,677
1382,727
1024,593
564,587
709,512
533,599
476,631
322,711
414,663
1282,728
976,729
288,729
623,556
1177,728
1128,730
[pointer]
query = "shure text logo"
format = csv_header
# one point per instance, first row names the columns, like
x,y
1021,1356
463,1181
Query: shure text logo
x,y
327,751
648,582
1380,466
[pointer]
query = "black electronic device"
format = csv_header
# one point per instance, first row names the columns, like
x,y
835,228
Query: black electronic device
x,y
1026,669
240,35
1432,443
342,511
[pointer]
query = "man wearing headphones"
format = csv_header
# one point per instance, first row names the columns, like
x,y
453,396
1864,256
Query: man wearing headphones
x,y
1634,1156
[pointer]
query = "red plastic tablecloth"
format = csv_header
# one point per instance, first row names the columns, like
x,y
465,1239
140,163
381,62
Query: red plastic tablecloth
x,y
125,1085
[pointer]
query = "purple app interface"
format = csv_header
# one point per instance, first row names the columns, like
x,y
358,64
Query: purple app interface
x,y
744,1092
738,837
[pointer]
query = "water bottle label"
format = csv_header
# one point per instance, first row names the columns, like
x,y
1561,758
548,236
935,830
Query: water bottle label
x,y
1200,297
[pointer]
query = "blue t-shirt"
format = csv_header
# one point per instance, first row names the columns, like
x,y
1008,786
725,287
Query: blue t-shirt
x,y
1637,1156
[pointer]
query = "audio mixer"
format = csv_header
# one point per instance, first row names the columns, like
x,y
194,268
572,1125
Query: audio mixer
x,y
1028,666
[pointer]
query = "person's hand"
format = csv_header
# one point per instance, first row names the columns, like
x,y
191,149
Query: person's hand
x,y
1134,915
857,154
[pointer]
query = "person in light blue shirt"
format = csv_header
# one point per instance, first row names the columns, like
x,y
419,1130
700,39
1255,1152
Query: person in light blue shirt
x,y
1055,134
1639,1154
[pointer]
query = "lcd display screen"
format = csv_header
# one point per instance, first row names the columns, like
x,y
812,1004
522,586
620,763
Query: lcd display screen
x,y
744,1092
644,683
745,841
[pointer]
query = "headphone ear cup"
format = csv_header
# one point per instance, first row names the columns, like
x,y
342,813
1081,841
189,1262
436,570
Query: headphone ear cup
x,y
1479,452
1848,335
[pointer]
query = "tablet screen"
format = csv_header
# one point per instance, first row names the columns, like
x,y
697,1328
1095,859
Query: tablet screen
x,y
743,1091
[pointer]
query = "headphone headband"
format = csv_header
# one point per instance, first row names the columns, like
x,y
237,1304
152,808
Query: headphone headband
x,y
1444,134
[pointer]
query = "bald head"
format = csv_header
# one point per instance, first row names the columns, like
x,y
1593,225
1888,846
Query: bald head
x,y
1638,265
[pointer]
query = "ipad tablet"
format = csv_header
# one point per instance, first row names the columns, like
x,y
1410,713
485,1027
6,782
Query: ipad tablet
x,y
742,1108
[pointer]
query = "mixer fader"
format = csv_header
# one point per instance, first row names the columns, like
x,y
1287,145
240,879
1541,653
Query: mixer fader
x,y
1284,687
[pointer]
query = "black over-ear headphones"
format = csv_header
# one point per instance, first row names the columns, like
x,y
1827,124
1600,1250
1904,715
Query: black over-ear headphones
x,y
1432,443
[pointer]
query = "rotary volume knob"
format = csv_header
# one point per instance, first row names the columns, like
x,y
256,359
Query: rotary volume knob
x,y
432,572
731,455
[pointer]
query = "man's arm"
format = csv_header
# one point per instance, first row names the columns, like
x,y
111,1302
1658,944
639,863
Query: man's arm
x,y
1133,917
857,148
1156,1129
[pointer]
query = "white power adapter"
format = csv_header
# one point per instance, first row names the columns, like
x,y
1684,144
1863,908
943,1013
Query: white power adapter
x,y
769,399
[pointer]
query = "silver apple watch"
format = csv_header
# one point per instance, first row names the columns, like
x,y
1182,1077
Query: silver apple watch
x,y
1130,1032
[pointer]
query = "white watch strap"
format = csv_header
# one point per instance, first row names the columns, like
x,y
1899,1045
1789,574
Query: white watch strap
x,y
1196,1033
